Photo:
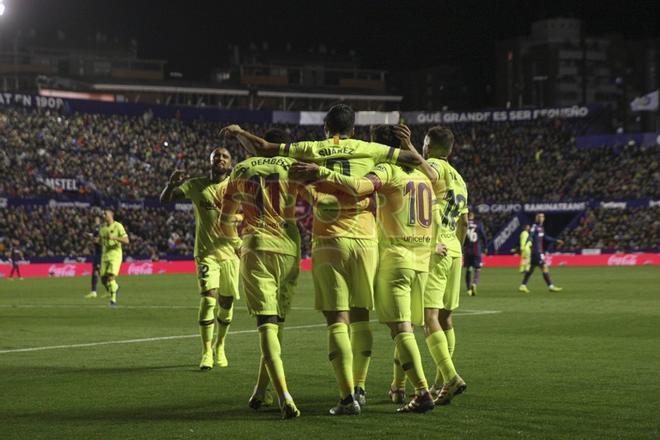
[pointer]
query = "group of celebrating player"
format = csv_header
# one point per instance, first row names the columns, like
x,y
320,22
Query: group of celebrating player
x,y
388,228
375,207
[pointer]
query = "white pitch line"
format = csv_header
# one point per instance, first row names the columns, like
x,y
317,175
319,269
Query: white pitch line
x,y
95,306
167,338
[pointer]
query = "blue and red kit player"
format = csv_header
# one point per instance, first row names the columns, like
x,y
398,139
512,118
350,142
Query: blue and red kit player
x,y
538,238
474,246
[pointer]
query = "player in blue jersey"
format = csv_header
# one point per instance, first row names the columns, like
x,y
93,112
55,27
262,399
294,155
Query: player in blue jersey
x,y
474,245
537,238
96,256
15,255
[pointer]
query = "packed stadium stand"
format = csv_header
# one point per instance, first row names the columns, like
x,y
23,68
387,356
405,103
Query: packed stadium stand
x,y
128,158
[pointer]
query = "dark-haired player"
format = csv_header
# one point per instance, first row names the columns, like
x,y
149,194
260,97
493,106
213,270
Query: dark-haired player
x,y
15,255
112,235
474,245
215,258
96,256
537,238
344,249
442,293
270,258
405,209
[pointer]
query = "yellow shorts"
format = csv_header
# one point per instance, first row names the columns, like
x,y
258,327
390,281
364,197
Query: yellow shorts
x,y
110,265
444,285
343,270
399,294
218,275
269,281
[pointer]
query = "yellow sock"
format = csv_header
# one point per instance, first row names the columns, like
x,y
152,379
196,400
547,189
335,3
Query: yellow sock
x,y
271,353
113,287
206,321
411,360
361,342
262,377
224,321
451,341
399,376
437,344
341,356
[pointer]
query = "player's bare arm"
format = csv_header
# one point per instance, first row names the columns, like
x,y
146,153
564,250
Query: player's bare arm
x,y
122,240
403,133
172,192
251,142
461,227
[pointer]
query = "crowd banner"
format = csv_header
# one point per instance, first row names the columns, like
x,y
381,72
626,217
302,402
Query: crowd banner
x,y
187,113
188,266
86,201
501,115
60,183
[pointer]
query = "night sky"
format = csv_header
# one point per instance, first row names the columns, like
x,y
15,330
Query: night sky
x,y
396,35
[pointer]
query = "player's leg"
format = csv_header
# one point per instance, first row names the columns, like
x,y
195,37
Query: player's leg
x,y
455,386
391,283
397,391
476,268
227,293
114,264
330,274
399,304
208,280
441,280
361,345
96,269
410,360
467,265
207,305
261,272
261,395
533,262
547,279
524,261
364,263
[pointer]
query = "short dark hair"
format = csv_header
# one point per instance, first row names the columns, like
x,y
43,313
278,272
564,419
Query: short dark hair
x,y
383,134
441,138
277,136
340,119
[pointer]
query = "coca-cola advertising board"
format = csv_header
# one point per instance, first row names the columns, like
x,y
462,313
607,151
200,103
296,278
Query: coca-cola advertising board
x,y
188,266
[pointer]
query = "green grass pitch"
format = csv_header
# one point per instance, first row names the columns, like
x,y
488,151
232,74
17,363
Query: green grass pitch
x,y
583,363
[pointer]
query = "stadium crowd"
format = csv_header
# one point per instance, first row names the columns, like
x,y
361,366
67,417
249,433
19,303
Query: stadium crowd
x,y
129,158
630,229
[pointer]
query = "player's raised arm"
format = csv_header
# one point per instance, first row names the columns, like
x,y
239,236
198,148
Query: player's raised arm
x,y
251,142
402,132
172,192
